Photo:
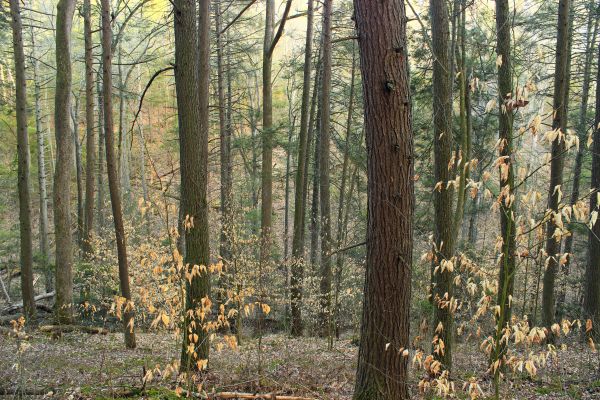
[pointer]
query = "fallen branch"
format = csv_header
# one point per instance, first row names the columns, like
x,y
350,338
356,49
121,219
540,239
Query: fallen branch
x,y
16,306
73,328
268,396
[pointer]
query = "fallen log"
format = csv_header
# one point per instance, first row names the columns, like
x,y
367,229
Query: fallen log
x,y
14,307
58,329
268,396
14,334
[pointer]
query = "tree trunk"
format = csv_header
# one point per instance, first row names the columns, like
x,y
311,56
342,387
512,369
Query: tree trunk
x,y
297,264
78,171
591,303
113,177
326,272
443,194
559,122
41,159
26,242
506,277
191,83
581,132
90,146
100,172
464,154
225,146
382,370
64,163
342,220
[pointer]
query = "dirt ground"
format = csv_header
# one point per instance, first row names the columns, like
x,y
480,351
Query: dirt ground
x,y
83,366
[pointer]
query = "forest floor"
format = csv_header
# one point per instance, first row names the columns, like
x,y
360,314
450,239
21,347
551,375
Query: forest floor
x,y
84,366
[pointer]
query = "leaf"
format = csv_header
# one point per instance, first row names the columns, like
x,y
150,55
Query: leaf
x,y
499,61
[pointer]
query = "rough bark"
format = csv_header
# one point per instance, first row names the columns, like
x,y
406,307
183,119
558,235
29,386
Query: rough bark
x,y
326,271
64,163
506,277
101,161
297,264
442,284
90,146
78,170
382,370
113,178
23,166
591,303
191,83
559,122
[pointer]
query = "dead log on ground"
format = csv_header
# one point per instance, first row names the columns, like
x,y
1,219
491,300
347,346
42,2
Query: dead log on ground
x,y
14,307
268,396
94,330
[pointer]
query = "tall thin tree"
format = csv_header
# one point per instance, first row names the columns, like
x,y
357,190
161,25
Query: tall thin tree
x,y
113,177
442,285
90,146
559,123
25,234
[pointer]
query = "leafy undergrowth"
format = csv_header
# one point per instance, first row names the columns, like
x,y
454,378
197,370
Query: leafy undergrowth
x,y
81,366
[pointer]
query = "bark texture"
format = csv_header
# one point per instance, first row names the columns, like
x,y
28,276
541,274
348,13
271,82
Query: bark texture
x,y
382,370
191,83
64,163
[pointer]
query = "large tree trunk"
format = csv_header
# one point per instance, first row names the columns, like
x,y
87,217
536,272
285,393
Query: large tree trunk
x,y
442,284
382,369
326,272
41,159
64,163
90,146
506,277
297,264
113,177
191,82
26,247
591,303
559,122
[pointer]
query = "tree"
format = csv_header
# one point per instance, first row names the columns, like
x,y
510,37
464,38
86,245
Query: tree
x,y
506,277
90,145
297,265
113,178
270,41
25,234
41,160
64,163
591,303
442,284
191,83
382,369
324,182
559,124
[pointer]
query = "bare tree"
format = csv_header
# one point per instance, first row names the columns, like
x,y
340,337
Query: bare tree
x,y
113,178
